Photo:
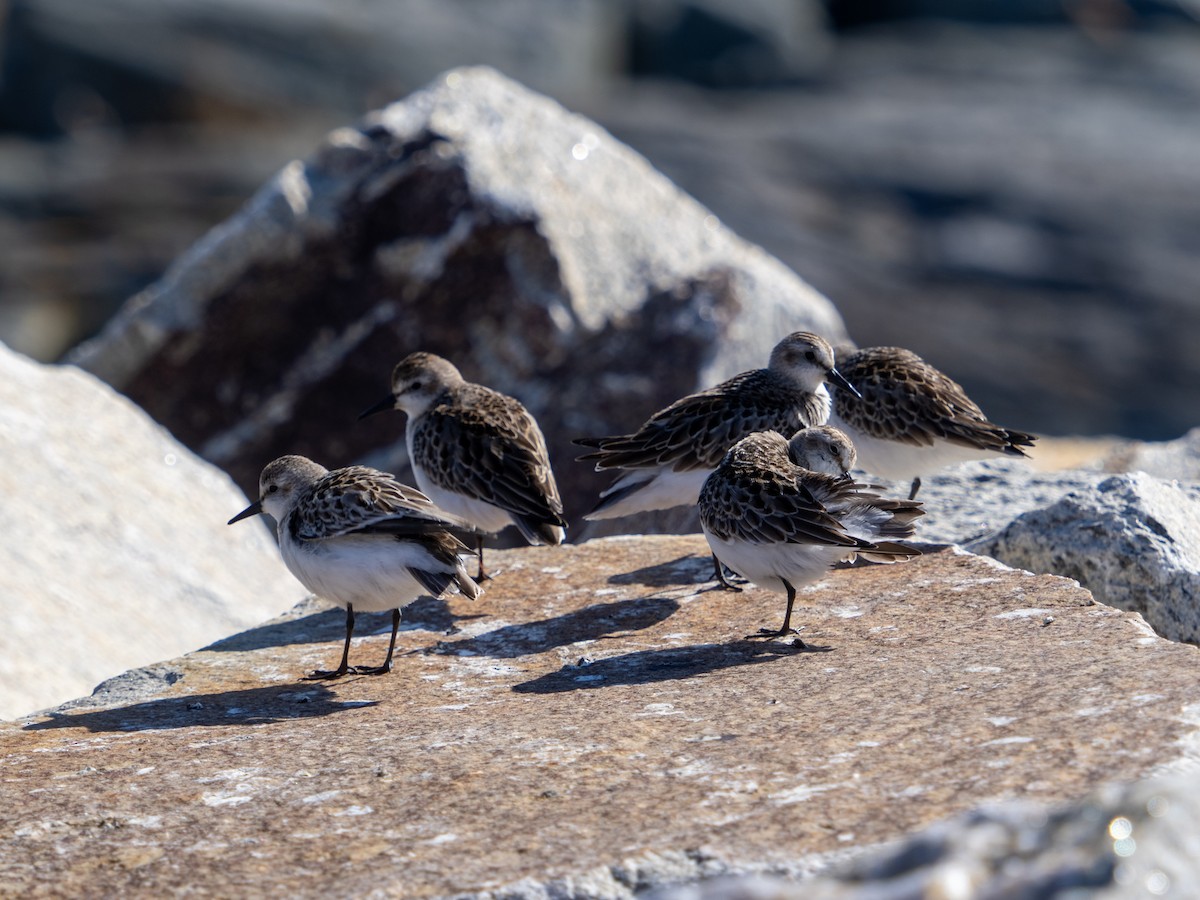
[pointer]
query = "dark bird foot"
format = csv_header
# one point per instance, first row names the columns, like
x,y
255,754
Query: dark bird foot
x,y
726,585
326,674
372,670
777,633
719,574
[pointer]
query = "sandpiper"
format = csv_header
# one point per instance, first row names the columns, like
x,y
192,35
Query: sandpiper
x,y
781,526
907,419
822,448
664,463
359,538
476,452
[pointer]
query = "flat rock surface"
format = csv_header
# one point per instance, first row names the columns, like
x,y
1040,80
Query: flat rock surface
x,y
595,724
1133,540
115,551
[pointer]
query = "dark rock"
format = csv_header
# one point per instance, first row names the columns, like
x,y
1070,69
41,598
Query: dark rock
x,y
474,220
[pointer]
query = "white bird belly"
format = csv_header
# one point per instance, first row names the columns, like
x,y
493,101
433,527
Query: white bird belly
x,y
369,572
484,516
768,565
898,460
661,489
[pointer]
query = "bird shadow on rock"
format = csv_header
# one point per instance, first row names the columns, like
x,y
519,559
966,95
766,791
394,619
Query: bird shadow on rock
x,y
329,625
668,664
686,570
600,620
254,706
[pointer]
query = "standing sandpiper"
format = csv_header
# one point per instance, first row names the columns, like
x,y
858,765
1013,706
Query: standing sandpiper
x,y
477,453
907,419
782,526
359,538
664,463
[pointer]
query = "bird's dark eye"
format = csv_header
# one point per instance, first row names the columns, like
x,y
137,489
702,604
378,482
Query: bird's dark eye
x,y
415,386
272,489
810,356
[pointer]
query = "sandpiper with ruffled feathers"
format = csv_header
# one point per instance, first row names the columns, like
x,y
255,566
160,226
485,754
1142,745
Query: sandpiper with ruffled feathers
x,y
782,526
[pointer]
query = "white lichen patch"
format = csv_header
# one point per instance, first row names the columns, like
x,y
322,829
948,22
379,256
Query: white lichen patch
x,y
659,709
321,797
803,792
1027,613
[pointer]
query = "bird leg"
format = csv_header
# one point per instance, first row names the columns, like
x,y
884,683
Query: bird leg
x,y
719,574
787,620
387,663
916,486
343,667
482,576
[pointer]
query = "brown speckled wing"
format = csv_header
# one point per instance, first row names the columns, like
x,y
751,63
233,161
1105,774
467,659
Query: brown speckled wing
x,y
361,500
486,445
905,399
695,432
761,500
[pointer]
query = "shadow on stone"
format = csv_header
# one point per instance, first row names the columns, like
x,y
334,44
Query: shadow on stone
x,y
681,571
329,625
601,620
649,666
256,706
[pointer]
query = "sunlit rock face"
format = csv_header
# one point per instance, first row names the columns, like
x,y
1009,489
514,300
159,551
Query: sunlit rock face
x,y
1133,540
1122,842
115,551
475,220
596,724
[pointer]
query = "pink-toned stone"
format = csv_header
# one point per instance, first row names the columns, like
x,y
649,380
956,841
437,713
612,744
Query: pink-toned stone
x,y
490,758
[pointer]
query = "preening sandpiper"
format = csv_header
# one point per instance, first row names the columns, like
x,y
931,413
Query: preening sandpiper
x,y
477,453
822,448
907,419
359,538
664,463
782,526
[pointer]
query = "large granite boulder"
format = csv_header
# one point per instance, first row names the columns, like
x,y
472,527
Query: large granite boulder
x,y
1133,540
594,726
1178,459
115,551
476,220
975,500
1122,842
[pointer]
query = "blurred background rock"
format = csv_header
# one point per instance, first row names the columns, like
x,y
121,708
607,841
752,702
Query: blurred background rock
x,y
1009,188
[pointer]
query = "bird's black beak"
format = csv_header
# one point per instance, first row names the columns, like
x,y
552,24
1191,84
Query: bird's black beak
x,y
254,509
837,378
388,402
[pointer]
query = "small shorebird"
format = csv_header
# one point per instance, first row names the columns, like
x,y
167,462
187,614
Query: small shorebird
x,y
818,448
822,448
359,538
477,453
782,526
907,419
664,463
